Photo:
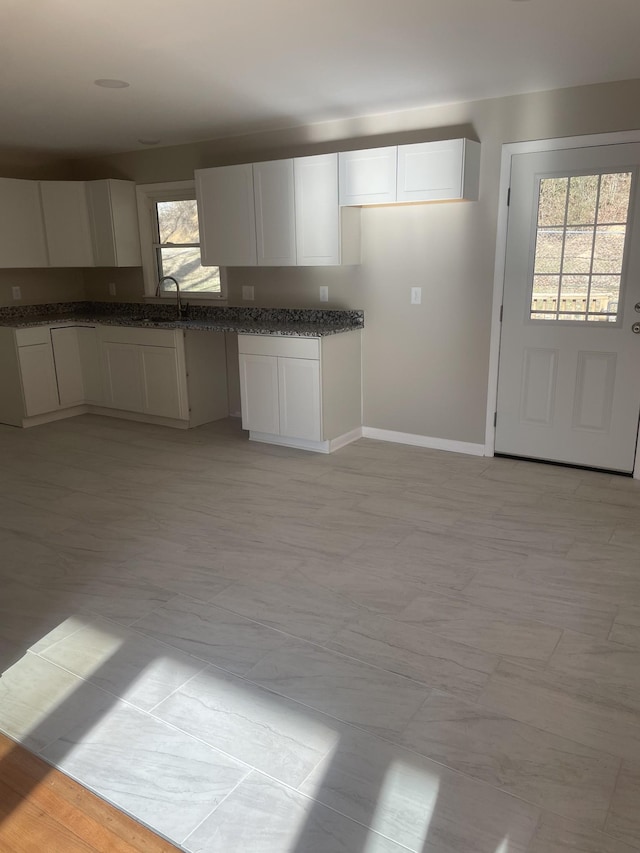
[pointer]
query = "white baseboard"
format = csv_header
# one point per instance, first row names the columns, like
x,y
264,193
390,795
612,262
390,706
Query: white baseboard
x,y
346,438
424,441
306,444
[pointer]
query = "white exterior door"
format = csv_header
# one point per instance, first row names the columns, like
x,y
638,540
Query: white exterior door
x,y
569,384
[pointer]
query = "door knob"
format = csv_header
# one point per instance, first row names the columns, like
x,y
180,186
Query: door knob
x,y
636,328
637,307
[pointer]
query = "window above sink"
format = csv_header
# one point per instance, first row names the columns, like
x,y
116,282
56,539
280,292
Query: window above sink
x,y
170,242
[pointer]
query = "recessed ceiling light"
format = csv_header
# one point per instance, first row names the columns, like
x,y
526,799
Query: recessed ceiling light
x,y
107,83
148,141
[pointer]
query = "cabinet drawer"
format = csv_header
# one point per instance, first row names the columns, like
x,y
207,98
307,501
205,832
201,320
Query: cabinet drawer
x,y
142,337
282,345
33,335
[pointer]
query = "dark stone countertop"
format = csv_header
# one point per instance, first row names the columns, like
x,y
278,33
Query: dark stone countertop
x,y
296,322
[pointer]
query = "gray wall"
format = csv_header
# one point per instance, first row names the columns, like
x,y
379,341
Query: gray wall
x,y
425,367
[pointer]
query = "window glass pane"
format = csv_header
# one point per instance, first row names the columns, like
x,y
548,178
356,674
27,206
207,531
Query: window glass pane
x,y
545,293
583,194
548,251
574,291
609,249
585,252
614,197
178,221
605,292
552,202
577,250
184,264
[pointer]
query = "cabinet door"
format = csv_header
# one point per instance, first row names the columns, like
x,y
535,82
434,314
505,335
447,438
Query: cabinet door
x,y
226,216
275,215
299,397
317,210
161,382
259,393
90,361
22,240
38,375
437,171
66,222
368,177
122,376
66,355
114,223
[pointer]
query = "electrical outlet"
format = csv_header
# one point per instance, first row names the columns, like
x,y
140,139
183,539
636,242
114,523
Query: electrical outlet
x,y
16,292
247,292
324,293
416,295
112,288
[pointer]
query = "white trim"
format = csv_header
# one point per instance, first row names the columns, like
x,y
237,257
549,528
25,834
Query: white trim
x,y
346,438
508,151
146,196
305,443
424,441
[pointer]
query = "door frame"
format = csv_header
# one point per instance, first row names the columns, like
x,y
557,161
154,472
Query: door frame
x,y
508,151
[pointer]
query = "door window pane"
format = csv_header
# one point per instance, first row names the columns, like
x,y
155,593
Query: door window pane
x,y
613,204
608,250
553,201
583,197
579,248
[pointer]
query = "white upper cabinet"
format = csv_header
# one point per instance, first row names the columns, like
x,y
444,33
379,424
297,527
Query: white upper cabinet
x,y
317,211
369,176
67,223
226,215
427,171
278,213
114,223
22,237
275,213
437,171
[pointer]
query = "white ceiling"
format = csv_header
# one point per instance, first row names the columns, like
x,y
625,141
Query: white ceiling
x,y
201,69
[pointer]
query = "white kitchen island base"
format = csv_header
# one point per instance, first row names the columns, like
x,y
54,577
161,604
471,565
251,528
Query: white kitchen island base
x,y
302,391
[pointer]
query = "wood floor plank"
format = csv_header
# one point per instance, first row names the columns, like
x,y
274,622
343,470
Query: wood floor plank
x,y
42,809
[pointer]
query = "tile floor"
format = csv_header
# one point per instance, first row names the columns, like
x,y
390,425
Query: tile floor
x,y
258,650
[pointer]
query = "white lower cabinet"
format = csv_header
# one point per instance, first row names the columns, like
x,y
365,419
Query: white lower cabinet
x,y
122,375
259,393
38,375
166,376
65,342
299,398
164,391
144,371
301,392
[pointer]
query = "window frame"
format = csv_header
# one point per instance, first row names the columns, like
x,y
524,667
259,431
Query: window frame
x,y
147,197
609,324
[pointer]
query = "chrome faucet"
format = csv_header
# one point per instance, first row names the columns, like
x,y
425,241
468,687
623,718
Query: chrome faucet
x,y
180,309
